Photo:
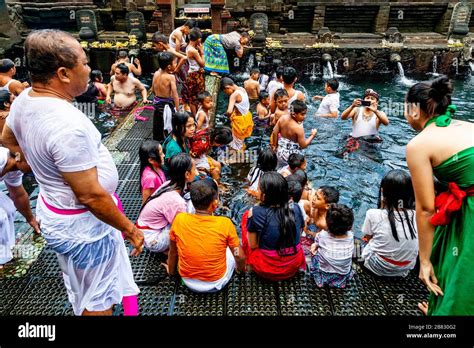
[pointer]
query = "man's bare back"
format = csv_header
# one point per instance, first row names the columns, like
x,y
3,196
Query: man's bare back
x,y
252,87
162,84
289,127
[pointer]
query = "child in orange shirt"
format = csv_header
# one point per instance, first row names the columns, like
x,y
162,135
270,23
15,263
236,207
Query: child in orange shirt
x,y
205,248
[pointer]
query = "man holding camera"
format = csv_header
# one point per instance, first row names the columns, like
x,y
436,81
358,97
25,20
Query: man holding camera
x,y
366,118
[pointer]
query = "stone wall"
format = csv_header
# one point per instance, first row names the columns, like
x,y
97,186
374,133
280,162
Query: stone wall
x,y
349,15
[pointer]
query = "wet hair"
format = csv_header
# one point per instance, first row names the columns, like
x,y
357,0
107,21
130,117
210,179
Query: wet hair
x,y
178,123
123,68
289,75
330,194
95,75
295,190
281,92
399,199
179,165
279,72
203,95
148,149
254,71
339,219
300,176
432,97
190,23
195,34
295,160
46,51
203,193
123,54
6,65
266,162
4,99
333,83
221,135
263,95
298,106
226,81
275,196
165,59
159,38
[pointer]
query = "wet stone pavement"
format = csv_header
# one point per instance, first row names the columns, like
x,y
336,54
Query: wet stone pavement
x,y
34,286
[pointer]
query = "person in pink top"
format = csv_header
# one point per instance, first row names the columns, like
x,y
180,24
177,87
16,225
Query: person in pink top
x,y
151,175
160,209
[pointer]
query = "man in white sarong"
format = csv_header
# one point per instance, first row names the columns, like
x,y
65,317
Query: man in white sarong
x,y
12,177
76,175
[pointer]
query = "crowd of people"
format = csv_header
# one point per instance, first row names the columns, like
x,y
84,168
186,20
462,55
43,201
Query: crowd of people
x,y
80,216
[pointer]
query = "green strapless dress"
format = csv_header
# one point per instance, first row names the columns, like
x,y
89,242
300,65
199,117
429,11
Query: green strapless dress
x,y
453,246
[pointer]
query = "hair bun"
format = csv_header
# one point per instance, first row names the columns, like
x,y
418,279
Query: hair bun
x,y
440,88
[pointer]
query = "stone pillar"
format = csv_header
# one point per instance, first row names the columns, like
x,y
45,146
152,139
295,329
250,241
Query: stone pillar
x,y
318,19
168,10
10,35
216,13
381,22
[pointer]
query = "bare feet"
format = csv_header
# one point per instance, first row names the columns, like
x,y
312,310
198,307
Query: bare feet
x,y
423,306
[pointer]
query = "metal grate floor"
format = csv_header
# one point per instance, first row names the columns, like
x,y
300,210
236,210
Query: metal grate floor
x,y
41,291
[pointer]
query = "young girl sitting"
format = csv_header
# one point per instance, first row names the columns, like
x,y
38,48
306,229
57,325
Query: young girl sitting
x,y
151,175
266,162
391,231
159,210
271,232
332,249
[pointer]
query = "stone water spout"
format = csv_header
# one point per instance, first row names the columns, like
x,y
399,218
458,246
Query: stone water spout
x,y
395,58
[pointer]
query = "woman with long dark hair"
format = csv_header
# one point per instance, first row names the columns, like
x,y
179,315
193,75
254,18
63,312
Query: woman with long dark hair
x,y
266,162
178,141
271,231
159,210
444,147
151,162
391,232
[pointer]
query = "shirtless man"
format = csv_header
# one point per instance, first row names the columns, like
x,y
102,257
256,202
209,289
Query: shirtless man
x,y
292,133
7,82
135,68
252,86
124,87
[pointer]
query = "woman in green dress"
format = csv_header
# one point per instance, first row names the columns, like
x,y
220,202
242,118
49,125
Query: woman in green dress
x,y
444,147
178,140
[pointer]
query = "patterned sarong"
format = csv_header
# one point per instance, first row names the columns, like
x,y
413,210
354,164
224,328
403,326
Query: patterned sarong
x,y
214,55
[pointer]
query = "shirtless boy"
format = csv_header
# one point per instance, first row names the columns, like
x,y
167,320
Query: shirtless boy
x,y
166,94
281,102
252,86
290,127
124,87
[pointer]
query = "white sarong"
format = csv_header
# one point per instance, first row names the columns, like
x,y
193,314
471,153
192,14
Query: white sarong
x,y
92,256
285,148
202,286
7,228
